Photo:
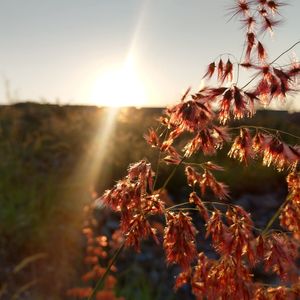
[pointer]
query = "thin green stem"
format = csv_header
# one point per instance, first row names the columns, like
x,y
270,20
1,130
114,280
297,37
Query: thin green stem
x,y
185,208
157,169
119,250
286,51
266,129
100,282
218,203
172,174
158,160
177,205
287,65
290,48
194,164
239,63
204,202
274,217
209,210
228,54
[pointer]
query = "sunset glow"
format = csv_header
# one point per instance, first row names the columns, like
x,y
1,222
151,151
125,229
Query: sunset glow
x,y
119,86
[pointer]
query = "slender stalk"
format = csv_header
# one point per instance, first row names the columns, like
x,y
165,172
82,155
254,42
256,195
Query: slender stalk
x,y
157,169
228,54
178,208
286,51
24,288
287,65
274,217
177,205
204,202
273,61
189,209
266,129
172,174
239,63
158,161
100,282
194,164
119,250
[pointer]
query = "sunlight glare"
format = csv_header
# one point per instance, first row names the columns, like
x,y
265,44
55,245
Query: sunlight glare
x,y
118,87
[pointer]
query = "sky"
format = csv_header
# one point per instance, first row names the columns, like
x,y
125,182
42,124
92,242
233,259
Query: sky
x,y
144,51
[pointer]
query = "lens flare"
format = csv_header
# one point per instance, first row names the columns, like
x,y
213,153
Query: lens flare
x,y
120,86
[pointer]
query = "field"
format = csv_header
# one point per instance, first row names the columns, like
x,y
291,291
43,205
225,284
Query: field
x,y
54,159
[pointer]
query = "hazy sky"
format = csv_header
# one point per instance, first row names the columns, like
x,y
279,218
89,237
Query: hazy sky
x,y
68,49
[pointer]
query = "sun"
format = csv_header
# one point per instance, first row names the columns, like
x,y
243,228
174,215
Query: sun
x,y
119,86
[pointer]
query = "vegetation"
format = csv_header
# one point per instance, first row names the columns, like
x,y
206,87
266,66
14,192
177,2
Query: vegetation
x,y
47,150
198,124
57,159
